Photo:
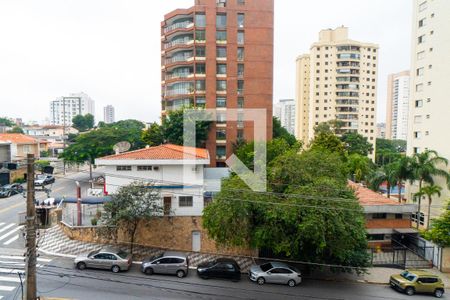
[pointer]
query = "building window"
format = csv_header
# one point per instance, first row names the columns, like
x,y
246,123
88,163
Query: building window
x,y
221,102
200,20
144,168
421,39
221,36
240,88
185,201
221,134
200,51
240,37
123,168
221,51
200,85
419,72
221,118
200,35
416,150
240,54
399,216
240,70
221,3
422,218
422,23
417,134
419,103
376,237
423,6
221,85
221,69
240,20
221,21
241,2
379,216
240,134
419,87
420,55
221,152
240,102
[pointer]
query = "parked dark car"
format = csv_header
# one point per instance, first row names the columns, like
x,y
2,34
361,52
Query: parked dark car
x,y
226,268
44,179
10,189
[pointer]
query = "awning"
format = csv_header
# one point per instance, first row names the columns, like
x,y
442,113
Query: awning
x,y
405,230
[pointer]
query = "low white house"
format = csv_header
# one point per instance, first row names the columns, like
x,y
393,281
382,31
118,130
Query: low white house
x,y
176,170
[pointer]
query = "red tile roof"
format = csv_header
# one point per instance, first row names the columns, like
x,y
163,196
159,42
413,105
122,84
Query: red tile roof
x,y
166,151
17,138
368,197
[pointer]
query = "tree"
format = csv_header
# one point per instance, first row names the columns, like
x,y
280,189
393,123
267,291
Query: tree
x,y
327,141
356,143
130,205
439,232
173,127
309,213
429,191
403,171
279,131
154,135
387,151
100,142
83,123
6,122
16,129
359,166
425,166
386,173
332,126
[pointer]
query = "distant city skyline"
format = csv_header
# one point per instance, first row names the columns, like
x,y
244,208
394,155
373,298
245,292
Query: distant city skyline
x,y
111,49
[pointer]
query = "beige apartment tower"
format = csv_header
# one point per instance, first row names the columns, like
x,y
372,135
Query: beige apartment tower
x,y
337,80
397,106
429,109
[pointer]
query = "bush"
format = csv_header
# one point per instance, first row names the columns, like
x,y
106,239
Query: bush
x,y
94,221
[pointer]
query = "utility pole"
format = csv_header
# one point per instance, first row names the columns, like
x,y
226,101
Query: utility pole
x,y
31,232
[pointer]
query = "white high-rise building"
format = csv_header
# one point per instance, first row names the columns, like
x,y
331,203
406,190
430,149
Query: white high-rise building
x,y
429,108
337,80
397,106
109,115
284,110
63,109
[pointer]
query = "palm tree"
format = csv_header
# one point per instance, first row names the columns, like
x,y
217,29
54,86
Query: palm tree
x,y
425,167
429,191
386,173
403,171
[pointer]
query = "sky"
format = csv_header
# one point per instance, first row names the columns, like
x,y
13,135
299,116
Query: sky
x,y
110,49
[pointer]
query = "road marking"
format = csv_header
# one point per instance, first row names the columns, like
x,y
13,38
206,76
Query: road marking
x,y
6,227
11,271
10,279
7,288
11,240
1,223
22,258
11,207
12,263
9,233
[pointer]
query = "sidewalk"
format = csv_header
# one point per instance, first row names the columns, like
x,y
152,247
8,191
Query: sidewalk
x,y
55,242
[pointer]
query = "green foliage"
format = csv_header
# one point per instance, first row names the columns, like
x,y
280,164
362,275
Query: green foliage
x,y
332,126
173,126
359,166
300,219
429,191
16,129
386,173
6,122
131,204
154,135
356,143
387,151
327,141
41,164
280,132
83,123
100,142
439,232
426,166
44,153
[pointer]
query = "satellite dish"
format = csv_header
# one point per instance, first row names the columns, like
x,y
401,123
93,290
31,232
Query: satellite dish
x,y
121,147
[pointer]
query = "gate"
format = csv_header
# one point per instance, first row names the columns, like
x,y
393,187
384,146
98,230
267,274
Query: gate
x,y
4,178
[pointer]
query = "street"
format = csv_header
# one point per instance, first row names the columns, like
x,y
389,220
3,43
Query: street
x,y
57,276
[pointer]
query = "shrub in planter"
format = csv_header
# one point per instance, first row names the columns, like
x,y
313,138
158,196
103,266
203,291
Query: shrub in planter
x,y
94,221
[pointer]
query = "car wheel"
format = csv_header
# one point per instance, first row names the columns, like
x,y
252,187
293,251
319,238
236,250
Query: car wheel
x,y
180,273
81,266
261,280
115,269
148,271
438,293
409,291
292,283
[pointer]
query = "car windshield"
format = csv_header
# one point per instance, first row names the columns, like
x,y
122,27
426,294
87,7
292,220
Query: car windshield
x,y
122,254
156,256
40,177
408,276
294,269
6,187
93,253
266,267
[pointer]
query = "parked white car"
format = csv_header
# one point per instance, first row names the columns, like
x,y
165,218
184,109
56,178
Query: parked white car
x,y
275,272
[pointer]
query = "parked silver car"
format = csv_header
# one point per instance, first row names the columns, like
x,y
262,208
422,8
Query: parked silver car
x,y
112,259
173,263
275,272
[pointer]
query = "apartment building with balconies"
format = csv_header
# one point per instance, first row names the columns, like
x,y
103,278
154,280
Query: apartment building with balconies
x,y
397,106
337,80
218,54
429,107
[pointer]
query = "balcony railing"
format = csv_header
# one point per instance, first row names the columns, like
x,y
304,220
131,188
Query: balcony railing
x,y
178,59
184,41
178,75
185,24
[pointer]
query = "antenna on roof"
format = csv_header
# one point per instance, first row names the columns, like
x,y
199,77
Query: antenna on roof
x,y
121,147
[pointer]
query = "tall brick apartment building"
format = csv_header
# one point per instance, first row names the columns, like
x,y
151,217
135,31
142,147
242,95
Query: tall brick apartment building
x,y
219,54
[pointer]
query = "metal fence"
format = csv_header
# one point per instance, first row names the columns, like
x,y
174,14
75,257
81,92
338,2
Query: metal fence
x,y
90,215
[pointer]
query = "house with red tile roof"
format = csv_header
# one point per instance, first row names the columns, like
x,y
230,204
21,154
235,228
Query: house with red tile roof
x,y
177,171
16,146
386,219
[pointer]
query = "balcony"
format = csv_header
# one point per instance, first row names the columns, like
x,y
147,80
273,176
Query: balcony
x,y
175,59
179,25
347,94
184,41
347,109
346,117
179,75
